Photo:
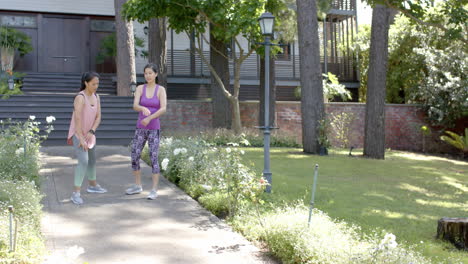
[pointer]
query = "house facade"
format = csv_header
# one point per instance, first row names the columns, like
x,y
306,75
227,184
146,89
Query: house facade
x,y
67,37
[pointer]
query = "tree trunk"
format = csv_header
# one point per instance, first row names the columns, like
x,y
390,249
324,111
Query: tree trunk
x,y
261,111
374,138
454,230
157,47
236,121
312,105
125,51
222,113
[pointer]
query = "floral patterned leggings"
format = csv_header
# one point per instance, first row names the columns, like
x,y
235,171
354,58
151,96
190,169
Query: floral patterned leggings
x,y
141,136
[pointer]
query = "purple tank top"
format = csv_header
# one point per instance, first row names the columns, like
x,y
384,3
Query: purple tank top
x,y
153,105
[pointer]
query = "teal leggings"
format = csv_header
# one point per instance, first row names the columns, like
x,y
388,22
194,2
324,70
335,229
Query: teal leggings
x,y
86,163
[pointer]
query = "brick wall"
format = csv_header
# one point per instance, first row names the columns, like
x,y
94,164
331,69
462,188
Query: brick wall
x,y
403,122
188,115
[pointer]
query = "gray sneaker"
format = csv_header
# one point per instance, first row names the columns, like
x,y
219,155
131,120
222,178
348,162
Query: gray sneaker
x,y
134,189
76,198
96,189
152,195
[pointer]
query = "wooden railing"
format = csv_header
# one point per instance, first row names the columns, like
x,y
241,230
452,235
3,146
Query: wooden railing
x,y
183,64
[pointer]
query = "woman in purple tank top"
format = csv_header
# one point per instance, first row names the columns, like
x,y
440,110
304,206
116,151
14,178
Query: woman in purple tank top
x,y
150,102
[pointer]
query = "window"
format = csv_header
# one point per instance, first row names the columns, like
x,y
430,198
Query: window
x,y
103,25
18,21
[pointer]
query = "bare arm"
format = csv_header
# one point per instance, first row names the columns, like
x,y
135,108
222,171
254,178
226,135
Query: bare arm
x,y
97,121
136,101
78,108
162,102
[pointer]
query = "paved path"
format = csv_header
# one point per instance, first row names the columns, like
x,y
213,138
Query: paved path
x,y
117,228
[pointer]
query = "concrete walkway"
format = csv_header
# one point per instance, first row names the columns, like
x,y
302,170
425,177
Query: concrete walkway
x,y
117,228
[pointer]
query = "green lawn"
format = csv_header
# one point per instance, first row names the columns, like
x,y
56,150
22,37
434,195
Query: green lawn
x,y
405,194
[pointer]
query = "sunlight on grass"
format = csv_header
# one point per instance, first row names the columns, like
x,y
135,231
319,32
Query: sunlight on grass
x,y
461,206
416,156
454,183
379,195
420,190
405,194
393,214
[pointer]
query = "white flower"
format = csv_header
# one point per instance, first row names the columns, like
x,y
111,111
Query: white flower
x,y
228,150
183,150
242,152
32,117
19,151
206,187
50,119
176,151
388,242
164,163
190,158
245,142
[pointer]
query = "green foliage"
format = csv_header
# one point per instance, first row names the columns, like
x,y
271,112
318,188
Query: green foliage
x,y
323,130
331,88
215,202
248,137
458,141
12,38
230,18
424,67
326,241
108,48
26,200
19,148
214,175
5,90
19,187
444,94
405,194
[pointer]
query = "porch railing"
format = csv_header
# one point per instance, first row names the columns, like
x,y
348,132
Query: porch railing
x,y
181,63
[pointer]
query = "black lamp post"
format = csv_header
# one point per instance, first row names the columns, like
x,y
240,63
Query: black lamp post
x,y
267,21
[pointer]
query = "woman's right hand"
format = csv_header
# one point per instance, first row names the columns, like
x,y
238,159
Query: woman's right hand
x,y
83,144
145,111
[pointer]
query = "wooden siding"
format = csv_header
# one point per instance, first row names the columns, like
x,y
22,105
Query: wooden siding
x,y
86,7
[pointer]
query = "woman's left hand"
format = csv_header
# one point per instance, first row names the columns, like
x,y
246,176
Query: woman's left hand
x,y
89,135
145,121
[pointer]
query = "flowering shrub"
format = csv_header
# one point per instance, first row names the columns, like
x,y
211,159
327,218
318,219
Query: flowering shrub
x,y
248,138
210,173
19,146
25,198
19,182
326,241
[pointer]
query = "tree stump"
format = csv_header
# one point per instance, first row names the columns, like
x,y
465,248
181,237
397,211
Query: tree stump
x,y
454,230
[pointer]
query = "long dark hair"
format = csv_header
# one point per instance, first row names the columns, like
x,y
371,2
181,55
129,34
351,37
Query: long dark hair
x,y
87,77
153,67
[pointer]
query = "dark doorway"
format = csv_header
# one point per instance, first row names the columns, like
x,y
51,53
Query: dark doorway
x,y
63,45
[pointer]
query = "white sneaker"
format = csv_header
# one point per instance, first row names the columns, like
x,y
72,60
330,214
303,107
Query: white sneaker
x,y
96,189
76,198
134,189
152,195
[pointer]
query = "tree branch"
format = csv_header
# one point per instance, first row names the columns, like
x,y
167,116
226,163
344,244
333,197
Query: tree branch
x,y
215,49
213,71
